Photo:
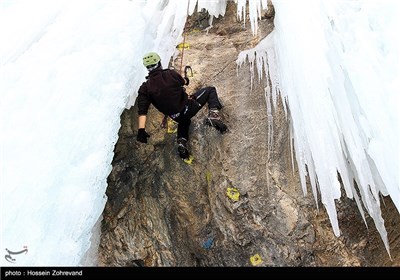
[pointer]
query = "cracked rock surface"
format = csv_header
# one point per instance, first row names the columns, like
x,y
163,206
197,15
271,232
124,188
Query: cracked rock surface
x,y
163,212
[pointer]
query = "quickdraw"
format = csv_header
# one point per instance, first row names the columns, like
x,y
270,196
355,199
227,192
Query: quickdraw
x,y
187,67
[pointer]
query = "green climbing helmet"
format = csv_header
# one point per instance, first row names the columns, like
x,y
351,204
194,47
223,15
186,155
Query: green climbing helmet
x,y
151,58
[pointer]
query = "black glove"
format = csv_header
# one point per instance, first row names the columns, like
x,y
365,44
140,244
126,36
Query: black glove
x,y
142,135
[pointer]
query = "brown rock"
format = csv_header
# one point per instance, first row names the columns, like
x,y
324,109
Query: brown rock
x,y
163,212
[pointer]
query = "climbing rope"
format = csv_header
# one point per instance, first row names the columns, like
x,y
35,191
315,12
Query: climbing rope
x,y
168,122
184,37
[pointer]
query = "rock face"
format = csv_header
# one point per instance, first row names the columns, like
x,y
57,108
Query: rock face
x,y
164,212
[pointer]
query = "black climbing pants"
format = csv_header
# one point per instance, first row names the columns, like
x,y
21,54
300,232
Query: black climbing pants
x,y
195,103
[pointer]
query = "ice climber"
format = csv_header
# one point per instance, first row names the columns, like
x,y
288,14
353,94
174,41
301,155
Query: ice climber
x,y
164,88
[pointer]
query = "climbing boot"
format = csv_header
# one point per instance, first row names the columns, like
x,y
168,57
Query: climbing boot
x,y
214,119
182,148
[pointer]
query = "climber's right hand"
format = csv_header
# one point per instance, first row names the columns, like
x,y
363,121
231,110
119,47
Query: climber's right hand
x,y
142,135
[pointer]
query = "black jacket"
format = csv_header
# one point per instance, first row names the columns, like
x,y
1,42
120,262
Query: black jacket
x,y
164,89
